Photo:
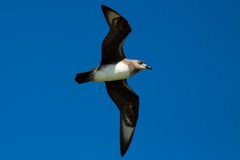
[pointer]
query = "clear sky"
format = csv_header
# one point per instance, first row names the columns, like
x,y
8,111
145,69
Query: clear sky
x,y
189,102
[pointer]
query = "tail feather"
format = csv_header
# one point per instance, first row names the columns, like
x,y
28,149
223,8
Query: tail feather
x,y
83,77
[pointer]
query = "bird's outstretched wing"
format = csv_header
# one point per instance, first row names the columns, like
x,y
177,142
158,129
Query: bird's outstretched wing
x,y
112,46
128,104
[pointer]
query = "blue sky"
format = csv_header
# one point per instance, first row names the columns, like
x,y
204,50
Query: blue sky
x,y
189,102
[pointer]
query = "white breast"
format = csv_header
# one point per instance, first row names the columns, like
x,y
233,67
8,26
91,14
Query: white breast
x,y
112,72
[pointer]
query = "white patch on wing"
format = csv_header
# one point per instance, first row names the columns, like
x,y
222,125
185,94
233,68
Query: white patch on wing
x,y
127,131
112,72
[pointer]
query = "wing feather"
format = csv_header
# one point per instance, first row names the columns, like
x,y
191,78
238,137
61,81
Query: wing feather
x,y
112,46
127,102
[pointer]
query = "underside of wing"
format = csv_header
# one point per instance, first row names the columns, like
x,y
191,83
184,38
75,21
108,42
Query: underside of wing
x,y
128,104
112,50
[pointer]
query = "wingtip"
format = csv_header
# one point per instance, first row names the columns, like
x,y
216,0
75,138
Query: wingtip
x,y
105,7
126,135
102,6
123,151
124,146
111,14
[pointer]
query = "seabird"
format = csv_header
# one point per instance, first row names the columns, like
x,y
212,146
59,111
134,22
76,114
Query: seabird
x,y
114,69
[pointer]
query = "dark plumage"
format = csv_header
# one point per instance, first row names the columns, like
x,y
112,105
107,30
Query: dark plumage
x,y
114,69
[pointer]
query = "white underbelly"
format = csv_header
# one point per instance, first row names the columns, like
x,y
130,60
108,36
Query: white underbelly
x,y
112,72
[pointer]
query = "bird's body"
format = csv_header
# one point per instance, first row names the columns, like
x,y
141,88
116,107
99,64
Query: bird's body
x,y
114,69
112,72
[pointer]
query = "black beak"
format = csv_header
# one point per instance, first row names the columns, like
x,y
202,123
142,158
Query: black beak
x,y
148,67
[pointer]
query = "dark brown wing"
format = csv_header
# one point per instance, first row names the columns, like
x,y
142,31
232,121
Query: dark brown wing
x,y
112,46
128,104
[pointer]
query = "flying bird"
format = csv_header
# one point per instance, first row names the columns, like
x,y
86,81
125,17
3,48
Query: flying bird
x,y
114,69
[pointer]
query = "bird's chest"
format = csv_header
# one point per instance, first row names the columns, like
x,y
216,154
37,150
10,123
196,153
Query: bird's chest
x,y
112,72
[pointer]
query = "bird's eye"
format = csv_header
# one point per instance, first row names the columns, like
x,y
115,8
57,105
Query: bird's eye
x,y
140,62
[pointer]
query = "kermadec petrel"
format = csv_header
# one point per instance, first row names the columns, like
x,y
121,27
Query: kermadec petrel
x,y
114,69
